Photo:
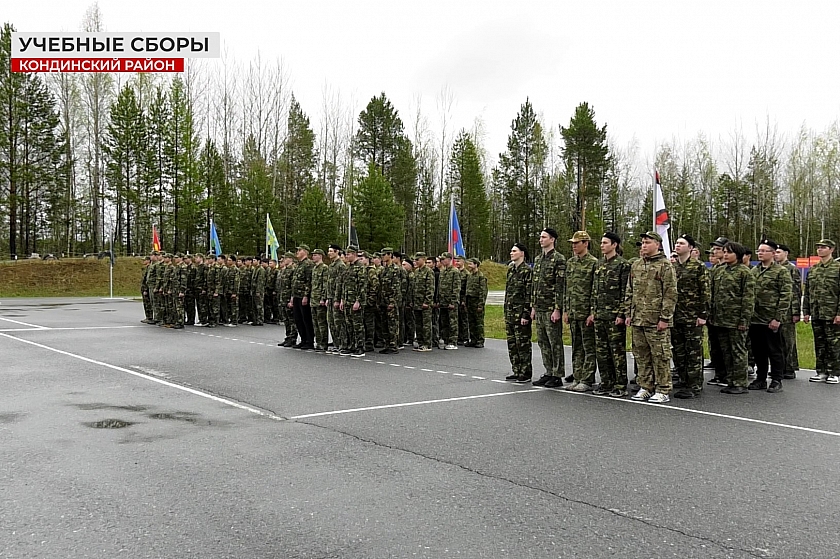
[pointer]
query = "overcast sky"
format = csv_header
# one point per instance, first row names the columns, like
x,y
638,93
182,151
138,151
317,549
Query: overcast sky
x,y
653,70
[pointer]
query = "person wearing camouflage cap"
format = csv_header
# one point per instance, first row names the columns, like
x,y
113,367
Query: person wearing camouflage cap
x,y
335,317
715,354
259,276
423,298
283,288
460,264
793,314
476,295
821,308
301,291
148,310
318,300
352,304
518,314
577,306
449,295
390,301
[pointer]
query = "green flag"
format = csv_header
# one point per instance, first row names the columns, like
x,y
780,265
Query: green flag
x,y
270,239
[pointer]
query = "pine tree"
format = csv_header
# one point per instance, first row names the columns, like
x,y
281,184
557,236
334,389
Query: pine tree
x,y
466,183
296,168
317,220
377,216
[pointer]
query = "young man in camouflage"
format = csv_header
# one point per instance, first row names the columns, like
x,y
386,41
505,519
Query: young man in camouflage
x,y
821,308
547,292
423,292
318,300
301,290
371,302
772,301
148,310
608,293
190,297
408,303
272,307
168,285
518,315
390,289
715,353
476,298
577,305
449,295
690,315
258,279
649,307
284,290
792,316
353,298
334,316
222,281
233,280
463,322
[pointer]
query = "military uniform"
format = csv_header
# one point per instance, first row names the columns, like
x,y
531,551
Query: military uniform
x,y
822,304
169,298
284,289
517,308
407,313
160,297
463,320
423,299
335,316
354,290
772,302
301,301
732,303
788,329
179,289
201,291
190,297
272,306
449,298
258,279
608,295
548,290
148,310
232,289
390,289
686,335
318,303
371,305
222,282
580,276
476,293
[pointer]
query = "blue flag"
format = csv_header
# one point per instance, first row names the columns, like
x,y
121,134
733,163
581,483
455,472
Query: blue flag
x,y
214,239
456,243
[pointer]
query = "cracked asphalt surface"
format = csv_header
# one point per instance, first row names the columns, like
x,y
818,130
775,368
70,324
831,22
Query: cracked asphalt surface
x,y
237,448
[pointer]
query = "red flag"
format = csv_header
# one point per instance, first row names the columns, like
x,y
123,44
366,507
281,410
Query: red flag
x,y
155,239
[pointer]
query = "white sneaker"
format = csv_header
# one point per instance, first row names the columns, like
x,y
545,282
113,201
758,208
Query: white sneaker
x,y
659,398
819,377
832,379
451,346
751,373
641,396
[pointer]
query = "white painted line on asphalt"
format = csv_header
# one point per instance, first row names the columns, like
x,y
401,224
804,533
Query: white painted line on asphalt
x,y
151,378
443,372
368,360
50,328
395,364
380,362
407,367
458,375
478,378
407,404
427,370
497,380
24,323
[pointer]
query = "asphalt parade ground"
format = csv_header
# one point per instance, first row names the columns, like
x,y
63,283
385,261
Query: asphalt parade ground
x,y
119,439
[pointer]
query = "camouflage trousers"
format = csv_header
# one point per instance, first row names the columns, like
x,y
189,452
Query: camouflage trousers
x,y
788,332
224,309
408,325
202,308
463,324
687,344
159,302
170,309
733,348
475,317
258,309
391,327
178,310
435,327
320,326
611,353
189,307
289,323
423,327
148,309
826,346
336,322
355,324
213,307
652,350
371,320
583,351
550,340
272,307
519,344
449,324
233,308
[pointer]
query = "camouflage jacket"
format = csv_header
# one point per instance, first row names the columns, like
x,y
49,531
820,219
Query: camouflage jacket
x,y
191,275
180,279
580,275
390,285
221,279
284,283
733,296
465,274
449,291
233,280
168,278
772,293
549,275
144,278
318,290
334,274
354,284
405,284
157,276
610,285
796,291
271,280
477,286
651,292
422,287
200,278
302,278
822,291
372,291
693,292
210,279
258,281
518,291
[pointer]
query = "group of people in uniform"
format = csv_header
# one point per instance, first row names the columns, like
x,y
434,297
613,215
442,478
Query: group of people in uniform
x,y
342,301
749,314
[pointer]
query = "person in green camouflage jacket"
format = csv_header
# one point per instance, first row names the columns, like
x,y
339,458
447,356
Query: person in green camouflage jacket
x,y
821,307
258,279
518,314
463,321
157,288
449,298
390,293
318,300
792,316
408,303
772,301
577,307
547,293
353,299
476,299
371,303
423,298
148,310
284,290
167,285
649,307
732,304
690,315
334,316
244,299
608,293
301,307
232,288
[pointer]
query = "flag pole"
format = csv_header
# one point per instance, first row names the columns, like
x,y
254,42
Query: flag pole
x,y
266,234
349,223
451,213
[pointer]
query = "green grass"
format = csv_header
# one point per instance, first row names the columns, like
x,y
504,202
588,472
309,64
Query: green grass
x,y
496,275
70,277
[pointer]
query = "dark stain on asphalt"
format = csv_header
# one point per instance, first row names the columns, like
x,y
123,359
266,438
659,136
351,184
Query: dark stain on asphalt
x,y
10,417
100,406
108,424
176,416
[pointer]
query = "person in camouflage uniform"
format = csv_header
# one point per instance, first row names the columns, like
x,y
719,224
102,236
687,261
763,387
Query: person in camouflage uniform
x,y
244,299
224,295
390,293
715,353
547,292
476,294
449,298
518,314
272,306
301,288
200,288
318,300
233,286
792,316
408,327
190,295
258,279
732,304
353,298
148,310
212,296
577,305
334,315
463,320
284,288
608,293
772,301
423,299
180,279
157,286
821,308
690,315
371,303
434,264
168,296
649,307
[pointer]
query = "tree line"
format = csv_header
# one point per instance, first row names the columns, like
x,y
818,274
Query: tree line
x,y
84,157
